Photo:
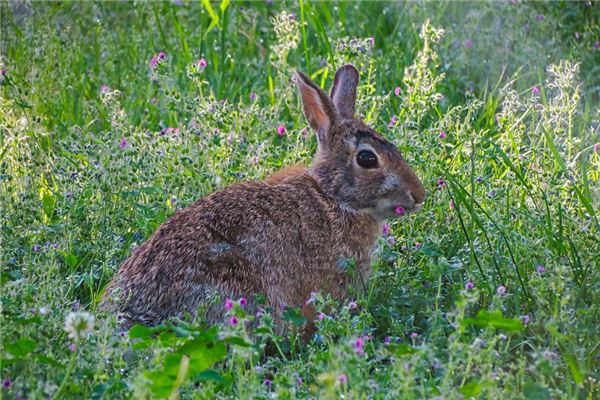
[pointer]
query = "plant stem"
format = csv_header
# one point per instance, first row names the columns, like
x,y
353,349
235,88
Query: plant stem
x,y
68,374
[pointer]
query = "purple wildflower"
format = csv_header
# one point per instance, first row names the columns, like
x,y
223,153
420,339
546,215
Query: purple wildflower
x,y
104,89
441,182
414,335
243,301
596,45
577,35
469,43
399,210
6,383
596,147
359,346
281,130
479,179
391,240
123,143
3,72
469,286
418,245
386,229
252,96
322,316
202,63
343,379
387,340
72,347
451,204
233,321
393,121
153,62
397,91
161,55
539,17
299,381
228,304
268,383
535,91
501,290
541,269
36,248
525,319
352,305
443,135
372,41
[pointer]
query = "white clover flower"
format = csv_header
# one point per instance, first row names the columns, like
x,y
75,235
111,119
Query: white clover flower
x,y
78,324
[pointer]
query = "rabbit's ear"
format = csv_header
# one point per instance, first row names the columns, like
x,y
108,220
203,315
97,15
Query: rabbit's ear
x,y
343,91
318,109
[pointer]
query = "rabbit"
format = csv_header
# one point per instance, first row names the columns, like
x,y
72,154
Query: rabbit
x,y
284,237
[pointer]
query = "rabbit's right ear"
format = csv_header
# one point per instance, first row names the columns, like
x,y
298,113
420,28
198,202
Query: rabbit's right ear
x,y
318,108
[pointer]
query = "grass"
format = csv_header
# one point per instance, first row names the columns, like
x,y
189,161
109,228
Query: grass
x,y
490,292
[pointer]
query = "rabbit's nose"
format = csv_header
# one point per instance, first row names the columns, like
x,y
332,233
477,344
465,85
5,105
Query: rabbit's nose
x,y
417,201
418,195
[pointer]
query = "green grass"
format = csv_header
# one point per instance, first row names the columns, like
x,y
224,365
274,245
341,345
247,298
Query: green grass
x,y
90,168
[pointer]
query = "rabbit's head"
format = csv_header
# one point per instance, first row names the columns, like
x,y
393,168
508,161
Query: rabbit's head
x,y
354,164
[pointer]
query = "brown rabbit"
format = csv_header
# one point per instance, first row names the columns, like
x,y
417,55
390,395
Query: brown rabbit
x,y
283,237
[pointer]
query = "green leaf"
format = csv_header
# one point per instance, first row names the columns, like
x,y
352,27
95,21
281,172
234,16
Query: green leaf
x,y
534,391
28,321
70,259
293,315
181,331
202,355
48,203
575,370
473,388
139,331
203,352
494,319
210,375
400,349
21,347
162,383
213,15
224,5
554,151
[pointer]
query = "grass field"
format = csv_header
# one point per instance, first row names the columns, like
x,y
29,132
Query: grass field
x,y
114,115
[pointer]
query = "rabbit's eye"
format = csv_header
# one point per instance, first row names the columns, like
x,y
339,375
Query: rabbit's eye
x,y
366,159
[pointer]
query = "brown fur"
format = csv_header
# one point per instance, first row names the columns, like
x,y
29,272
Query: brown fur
x,y
284,236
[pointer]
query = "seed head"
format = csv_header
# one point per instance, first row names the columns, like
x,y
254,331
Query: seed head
x,y
79,324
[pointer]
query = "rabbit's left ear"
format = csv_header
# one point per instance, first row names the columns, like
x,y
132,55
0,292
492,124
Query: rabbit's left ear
x,y
343,91
318,108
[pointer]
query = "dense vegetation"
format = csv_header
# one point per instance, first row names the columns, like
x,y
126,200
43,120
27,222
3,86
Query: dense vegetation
x,y
114,115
